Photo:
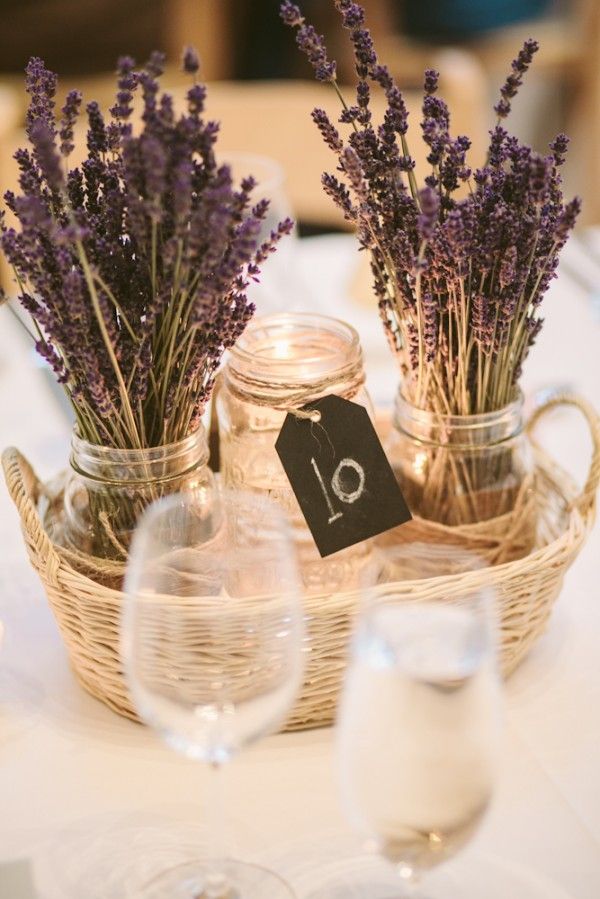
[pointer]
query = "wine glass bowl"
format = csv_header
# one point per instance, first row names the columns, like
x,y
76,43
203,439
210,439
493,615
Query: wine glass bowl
x,y
270,184
419,716
212,641
281,278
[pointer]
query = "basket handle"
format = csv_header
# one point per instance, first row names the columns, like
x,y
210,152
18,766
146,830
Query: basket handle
x,y
24,488
588,493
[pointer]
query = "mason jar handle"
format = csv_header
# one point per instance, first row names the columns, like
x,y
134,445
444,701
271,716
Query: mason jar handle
x,y
586,498
24,488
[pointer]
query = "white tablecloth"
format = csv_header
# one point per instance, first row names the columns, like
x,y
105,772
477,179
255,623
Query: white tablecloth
x,y
72,773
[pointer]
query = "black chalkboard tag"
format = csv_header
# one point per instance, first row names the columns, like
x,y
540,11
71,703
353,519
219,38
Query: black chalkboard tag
x,y
340,475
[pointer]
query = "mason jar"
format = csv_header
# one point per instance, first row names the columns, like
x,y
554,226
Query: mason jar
x,y
280,363
107,489
461,469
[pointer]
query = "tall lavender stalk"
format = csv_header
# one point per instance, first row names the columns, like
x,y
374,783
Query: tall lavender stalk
x,y
134,264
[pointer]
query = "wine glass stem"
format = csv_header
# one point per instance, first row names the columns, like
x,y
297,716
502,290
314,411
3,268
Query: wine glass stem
x,y
217,882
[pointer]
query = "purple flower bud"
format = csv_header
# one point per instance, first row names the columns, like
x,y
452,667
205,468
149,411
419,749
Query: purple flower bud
x,y
70,111
196,97
96,137
291,14
514,80
191,61
309,42
567,219
156,64
353,15
431,81
559,148
538,178
46,155
329,132
429,201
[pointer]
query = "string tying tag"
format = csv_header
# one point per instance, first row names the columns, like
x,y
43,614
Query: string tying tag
x,y
306,414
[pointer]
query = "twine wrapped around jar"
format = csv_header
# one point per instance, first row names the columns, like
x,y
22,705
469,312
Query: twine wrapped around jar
x,y
291,397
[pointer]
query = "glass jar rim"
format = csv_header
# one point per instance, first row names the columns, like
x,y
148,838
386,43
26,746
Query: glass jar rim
x,y
460,431
102,451
513,409
277,368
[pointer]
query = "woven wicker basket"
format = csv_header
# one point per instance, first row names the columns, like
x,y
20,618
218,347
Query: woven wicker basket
x,y
88,613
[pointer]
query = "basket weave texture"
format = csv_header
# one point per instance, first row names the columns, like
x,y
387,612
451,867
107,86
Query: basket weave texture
x,y
88,613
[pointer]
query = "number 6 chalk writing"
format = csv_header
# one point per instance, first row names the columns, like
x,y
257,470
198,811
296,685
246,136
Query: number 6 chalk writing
x,y
336,485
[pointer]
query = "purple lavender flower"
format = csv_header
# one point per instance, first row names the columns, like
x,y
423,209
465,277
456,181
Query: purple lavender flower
x,y
513,82
45,153
96,137
567,219
290,14
309,41
127,82
430,326
70,112
429,201
353,15
432,78
40,84
329,132
483,321
156,64
559,148
191,61
340,195
538,178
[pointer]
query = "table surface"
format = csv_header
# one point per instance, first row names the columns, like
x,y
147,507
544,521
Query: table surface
x,y
84,792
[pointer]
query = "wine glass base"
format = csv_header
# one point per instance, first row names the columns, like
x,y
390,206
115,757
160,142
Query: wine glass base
x,y
192,880
330,865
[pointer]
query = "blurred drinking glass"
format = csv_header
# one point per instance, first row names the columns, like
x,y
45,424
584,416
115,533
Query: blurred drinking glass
x,y
212,645
419,717
270,184
278,280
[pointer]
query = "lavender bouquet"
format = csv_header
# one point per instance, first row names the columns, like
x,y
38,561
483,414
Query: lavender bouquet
x,y
133,266
460,263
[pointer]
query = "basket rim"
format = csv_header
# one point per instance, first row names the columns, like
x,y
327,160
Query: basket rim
x,y
577,526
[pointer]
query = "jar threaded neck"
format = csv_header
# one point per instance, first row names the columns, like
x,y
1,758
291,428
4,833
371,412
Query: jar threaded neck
x,y
109,464
459,431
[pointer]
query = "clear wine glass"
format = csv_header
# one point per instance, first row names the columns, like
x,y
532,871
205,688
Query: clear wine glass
x,y
279,274
418,724
270,183
212,637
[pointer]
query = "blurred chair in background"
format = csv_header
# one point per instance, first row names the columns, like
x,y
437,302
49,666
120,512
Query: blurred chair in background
x,y
245,40
81,37
564,83
272,118
236,38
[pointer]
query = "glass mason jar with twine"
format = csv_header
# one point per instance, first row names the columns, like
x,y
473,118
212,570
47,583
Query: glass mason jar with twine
x,y
463,469
107,490
280,364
